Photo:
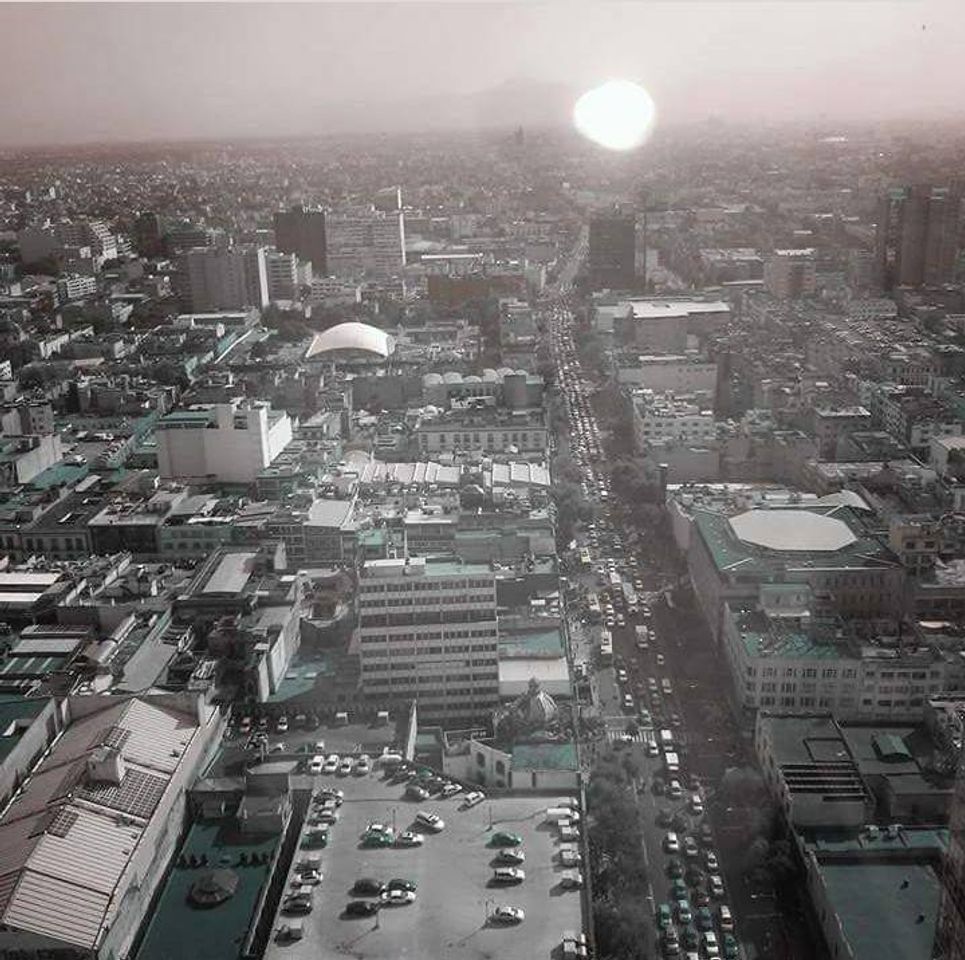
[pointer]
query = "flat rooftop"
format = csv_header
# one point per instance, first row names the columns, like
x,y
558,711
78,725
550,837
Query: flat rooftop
x,y
451,871
880,905
178,929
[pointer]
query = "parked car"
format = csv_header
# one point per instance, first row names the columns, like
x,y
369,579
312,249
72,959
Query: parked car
x,y
363,766
506,914
362,908
346,766
367,887
671,843
508,875
503,838
316,765
409,839
431,821
472,798
512,856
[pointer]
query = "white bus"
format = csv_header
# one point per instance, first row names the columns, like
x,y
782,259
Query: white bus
x,y
606,647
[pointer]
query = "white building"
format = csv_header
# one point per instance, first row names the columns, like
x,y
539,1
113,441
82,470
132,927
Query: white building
x,y
662,417
670,372
215,279
428,632
782,662
226,441
365,241
75,288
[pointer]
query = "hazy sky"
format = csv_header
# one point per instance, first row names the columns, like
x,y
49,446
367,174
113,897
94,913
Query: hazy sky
x,y
82,72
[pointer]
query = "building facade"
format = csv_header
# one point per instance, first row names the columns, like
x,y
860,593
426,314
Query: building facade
x,y
428,632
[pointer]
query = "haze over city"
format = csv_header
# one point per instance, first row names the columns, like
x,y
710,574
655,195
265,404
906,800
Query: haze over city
x,y
147,72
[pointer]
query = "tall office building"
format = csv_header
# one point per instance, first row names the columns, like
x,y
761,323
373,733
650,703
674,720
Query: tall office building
x,y
282,270
917,237
428,632
231,279
791,274
612,252
302,231
363,240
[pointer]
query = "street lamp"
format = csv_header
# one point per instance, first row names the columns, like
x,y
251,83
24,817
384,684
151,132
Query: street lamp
x,y
393,820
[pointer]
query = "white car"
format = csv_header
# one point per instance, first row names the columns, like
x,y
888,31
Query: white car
x,y
674,790
472,798
671,844
716,885
346,766
331,764
696,804
409,839
397,897
710,858
506,914
363,766
451,789
431,821
316,765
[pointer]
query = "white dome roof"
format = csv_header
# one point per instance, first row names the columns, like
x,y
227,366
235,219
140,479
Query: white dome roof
x,y
352,338
432,379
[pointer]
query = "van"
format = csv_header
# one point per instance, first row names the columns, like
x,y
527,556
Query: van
x,y
666,687
562,813
341,719
666,739
726,919
671,762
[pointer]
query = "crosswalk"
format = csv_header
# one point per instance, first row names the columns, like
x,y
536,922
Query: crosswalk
x,y
621,736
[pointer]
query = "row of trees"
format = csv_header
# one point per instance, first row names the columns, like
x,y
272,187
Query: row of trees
x,y
616,851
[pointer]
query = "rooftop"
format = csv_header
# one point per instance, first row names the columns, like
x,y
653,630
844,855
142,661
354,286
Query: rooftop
x,y
792,530
773,544
885,909
178,929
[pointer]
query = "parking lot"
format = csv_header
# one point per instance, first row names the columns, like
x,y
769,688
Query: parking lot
x,y
451,871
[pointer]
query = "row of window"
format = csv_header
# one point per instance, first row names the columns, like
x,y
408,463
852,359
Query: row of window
x,y
373,586
476,599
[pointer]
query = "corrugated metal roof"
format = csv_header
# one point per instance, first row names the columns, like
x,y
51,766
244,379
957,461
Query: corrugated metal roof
x,y
64,854
57,908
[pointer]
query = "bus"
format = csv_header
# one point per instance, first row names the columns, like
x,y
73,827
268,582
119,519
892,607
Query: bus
x,y
606,647
616,584
643,637
630,595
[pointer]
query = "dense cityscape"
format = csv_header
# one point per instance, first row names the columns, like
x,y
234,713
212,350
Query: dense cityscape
x,y
485,544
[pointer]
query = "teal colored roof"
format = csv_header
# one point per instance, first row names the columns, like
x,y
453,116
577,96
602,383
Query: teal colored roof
x,y
739,558
531,643
300,678
60,473
12,709
888,745
180,930
373,537
879,905
761,637
544,756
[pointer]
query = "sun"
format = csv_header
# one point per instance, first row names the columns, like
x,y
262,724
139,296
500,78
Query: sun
x,y
617,114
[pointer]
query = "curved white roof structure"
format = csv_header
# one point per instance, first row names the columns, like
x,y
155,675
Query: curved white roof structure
x,y
792,530
350,340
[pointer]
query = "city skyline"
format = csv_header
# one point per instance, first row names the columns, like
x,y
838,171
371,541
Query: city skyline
x,y
301,69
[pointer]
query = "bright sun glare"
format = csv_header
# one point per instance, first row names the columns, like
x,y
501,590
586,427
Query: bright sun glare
x,y
617,114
